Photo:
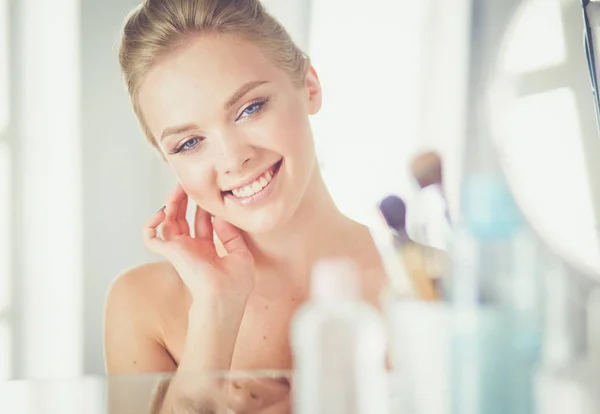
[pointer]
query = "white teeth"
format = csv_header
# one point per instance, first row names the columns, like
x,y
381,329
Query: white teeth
x,y
251,189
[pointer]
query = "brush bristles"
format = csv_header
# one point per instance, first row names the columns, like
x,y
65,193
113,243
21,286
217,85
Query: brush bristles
x,y
427,169
393,210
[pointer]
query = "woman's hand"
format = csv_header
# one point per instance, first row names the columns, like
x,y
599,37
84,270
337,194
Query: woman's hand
x,y
205,274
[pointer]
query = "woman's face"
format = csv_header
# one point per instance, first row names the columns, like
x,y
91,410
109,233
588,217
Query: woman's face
x,y
234,128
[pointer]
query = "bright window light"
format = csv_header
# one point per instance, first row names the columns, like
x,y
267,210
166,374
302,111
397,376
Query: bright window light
x,y
5,228
367,128
5,351
539,40
552,184
4,81
50,168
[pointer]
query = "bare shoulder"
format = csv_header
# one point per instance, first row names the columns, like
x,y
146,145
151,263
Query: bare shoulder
x,y
149,282
145,294
362,246
137,303
363,249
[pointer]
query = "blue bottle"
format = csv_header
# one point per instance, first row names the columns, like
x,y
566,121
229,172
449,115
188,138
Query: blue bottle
x,y
496,280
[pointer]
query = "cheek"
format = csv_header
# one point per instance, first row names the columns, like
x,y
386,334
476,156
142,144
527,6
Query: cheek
x,y
290,130
198,180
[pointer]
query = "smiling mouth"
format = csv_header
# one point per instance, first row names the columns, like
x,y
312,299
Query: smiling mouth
x,y
257,186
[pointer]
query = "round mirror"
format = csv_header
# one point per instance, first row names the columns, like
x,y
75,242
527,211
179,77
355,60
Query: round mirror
x,y
546,127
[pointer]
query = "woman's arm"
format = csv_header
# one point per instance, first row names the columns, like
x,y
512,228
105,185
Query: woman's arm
x,y
134,352
219,288
191,392
200,385
133,347
131,339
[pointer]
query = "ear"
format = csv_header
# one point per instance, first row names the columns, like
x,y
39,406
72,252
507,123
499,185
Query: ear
x,y
313,86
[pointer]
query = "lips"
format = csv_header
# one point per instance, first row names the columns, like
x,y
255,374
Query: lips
x,y
255,190
257,185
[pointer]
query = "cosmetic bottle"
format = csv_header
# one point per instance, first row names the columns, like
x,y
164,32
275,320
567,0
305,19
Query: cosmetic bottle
x,y
496,277
564,382
339,346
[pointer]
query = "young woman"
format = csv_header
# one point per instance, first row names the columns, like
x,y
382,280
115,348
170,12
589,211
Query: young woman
x,y
224,94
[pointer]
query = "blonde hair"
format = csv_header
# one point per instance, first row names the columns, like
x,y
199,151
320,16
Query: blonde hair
x,y
157,27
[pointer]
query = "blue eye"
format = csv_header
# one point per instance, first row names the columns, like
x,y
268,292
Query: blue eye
x,y
188,145
253,109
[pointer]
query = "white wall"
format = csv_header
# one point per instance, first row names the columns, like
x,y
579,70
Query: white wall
x,y
44,141
83,181
375,63
295,16
124,181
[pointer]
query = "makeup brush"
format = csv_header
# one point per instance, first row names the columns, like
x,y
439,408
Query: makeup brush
x,y
428,173
400,284
434,217
393,210
427,169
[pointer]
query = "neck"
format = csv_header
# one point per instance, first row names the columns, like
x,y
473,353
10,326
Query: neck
x,y
314,231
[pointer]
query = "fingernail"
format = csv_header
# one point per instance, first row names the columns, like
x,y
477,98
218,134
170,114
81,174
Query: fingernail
x,y
160,209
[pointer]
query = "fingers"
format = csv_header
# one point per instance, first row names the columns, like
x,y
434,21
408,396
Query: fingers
x,y
184,227
170,228
230,236
203,228
150,236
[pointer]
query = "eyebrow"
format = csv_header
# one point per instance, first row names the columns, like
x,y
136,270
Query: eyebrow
x,y
243,90
177,130
239,94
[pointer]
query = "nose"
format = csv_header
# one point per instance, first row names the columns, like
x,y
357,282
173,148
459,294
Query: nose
x,y
235,153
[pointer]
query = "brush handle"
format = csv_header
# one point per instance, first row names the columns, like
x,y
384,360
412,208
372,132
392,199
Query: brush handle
x,y
416,263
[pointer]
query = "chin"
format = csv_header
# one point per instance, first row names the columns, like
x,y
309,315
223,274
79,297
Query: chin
x,y
269,210
262,223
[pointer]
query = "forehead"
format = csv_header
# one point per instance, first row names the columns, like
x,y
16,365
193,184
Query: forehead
x,y
199,77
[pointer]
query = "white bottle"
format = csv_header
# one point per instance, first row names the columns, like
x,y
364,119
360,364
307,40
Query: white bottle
x,y
565,382
339,345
